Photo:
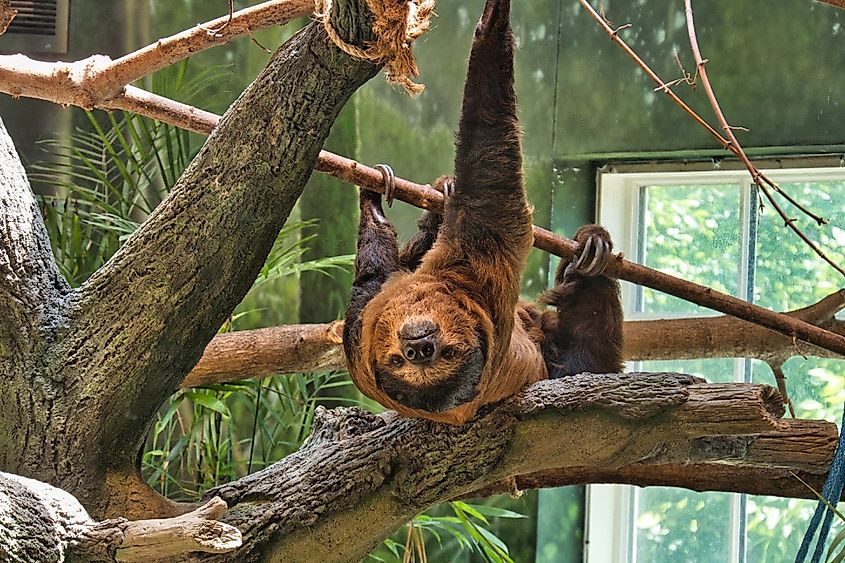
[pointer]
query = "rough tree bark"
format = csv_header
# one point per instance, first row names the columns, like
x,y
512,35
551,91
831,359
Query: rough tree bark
x,y
84,371
360,476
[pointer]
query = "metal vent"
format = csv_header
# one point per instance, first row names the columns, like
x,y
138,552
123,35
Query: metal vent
x,y
41,26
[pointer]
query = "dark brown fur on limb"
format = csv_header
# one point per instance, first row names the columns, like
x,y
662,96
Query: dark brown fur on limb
x,y
436,331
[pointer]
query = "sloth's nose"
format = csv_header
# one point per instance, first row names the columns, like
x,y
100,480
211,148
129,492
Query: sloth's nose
x,y
421,350
419,340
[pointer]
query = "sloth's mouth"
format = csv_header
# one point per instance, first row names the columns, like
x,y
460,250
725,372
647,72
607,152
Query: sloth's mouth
x,y
459,388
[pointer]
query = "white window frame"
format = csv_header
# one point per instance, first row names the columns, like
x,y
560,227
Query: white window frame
x,y
610,529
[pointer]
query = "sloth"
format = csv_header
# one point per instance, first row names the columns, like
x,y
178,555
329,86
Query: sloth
x,y
437,330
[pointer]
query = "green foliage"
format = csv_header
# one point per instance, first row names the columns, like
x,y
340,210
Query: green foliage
x,y
217,433
464,529
695,232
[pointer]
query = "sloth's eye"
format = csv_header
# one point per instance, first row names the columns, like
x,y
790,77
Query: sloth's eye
x,y
449,353
396,360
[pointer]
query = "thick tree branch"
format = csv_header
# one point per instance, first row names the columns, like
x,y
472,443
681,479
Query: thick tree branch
x,y
309,348
162,297
360,476
763,465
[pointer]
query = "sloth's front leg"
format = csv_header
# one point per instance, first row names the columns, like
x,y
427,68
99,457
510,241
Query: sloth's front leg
x,y
377,258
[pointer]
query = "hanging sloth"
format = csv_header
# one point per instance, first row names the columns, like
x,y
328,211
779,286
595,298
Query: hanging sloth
x,y
436,330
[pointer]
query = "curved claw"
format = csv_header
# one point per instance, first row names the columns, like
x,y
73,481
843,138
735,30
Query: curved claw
x,y
448,188
389,182
592,260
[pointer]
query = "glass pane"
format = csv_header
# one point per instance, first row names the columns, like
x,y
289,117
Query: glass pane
x,y
783,257
775,527
560,525
692,232
682,526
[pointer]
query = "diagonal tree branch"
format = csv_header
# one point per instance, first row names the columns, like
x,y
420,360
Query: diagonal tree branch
x,y
425,196
170,287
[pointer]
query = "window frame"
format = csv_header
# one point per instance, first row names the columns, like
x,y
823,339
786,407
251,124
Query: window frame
x,y
610,534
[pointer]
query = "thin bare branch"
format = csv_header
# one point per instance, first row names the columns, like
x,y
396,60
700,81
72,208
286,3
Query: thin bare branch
x,y
780,379
759,178
756,176
93,81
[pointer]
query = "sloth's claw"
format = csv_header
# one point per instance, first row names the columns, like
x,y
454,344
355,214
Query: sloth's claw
x,y
592,260
370,203
389,182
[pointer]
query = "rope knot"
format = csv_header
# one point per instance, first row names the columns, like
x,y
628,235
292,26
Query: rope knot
x,y
396,24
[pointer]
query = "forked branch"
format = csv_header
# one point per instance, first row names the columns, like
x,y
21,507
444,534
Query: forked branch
x,y
759,179
730,143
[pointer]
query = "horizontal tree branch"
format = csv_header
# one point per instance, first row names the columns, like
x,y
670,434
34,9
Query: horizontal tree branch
x,y
360,476
317,347
765,464
266,351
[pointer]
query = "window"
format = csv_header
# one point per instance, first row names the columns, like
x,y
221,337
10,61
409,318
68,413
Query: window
x,y
703,223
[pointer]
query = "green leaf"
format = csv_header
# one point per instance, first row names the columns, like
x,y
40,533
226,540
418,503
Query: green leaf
x,y
209,402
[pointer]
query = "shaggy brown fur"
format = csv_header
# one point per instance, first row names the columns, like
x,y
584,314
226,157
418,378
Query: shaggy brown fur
x,y
436,331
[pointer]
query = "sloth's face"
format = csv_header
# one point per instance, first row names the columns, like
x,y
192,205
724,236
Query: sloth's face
x,y
429,352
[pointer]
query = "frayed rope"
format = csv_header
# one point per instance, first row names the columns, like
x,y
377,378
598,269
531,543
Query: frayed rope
x,y
396,25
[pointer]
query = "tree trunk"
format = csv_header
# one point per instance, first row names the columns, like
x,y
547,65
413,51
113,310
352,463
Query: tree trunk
x,y
85,370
